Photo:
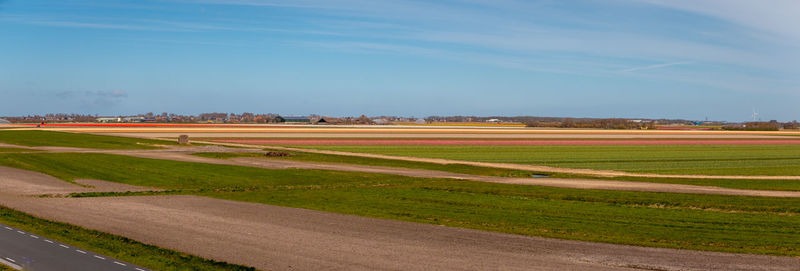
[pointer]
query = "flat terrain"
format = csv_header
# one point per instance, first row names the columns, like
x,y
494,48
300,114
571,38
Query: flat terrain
x,y
660,159
33,138
372,210
706,221
279,238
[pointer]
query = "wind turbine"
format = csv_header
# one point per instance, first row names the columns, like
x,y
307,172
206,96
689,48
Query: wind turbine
x,y
755,114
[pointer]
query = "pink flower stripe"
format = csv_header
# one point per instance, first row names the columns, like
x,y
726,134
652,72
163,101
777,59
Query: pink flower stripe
x,y
514,142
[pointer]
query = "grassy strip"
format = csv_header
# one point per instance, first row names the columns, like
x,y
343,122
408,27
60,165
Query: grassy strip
x,y
343,159
783,185
34,138
772,160
113,246
706,222
16,150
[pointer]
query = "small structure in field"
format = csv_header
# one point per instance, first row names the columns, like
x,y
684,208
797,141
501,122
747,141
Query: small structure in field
x,y
183,140
277,154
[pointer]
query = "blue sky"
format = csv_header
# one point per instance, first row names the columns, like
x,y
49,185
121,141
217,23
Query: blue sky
x,y
691,59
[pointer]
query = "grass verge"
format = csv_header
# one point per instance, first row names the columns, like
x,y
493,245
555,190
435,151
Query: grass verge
x,y
113,246
36,138
706,222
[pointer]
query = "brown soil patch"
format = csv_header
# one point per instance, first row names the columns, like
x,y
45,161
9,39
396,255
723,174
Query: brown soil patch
x,y
279,238
19,182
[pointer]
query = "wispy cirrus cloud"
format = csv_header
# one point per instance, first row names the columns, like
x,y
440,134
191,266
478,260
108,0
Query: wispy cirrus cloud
x,y
655,66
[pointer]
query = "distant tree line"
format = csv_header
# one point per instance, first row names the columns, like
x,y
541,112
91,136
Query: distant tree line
x,y
772,125
594,123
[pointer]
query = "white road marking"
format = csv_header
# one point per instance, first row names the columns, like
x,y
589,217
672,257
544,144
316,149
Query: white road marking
x,y
34,236
99,257
12,260
140,269
119,263
63,246
10,264
80,251
7,228
48,241
21,232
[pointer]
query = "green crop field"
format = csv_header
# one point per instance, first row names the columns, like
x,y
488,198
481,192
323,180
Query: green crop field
x,y
118,247
665,159
707,222
34,138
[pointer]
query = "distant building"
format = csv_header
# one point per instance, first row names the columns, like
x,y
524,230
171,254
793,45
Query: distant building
x,y
4,121
133,119
294,119
322,120
420,121
108,119
494,120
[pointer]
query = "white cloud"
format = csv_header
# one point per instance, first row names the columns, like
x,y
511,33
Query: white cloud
x,y
779,17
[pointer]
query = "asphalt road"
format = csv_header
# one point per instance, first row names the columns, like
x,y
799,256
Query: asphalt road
x,y
20,249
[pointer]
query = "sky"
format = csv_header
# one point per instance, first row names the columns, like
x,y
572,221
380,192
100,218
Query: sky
x,y
689,59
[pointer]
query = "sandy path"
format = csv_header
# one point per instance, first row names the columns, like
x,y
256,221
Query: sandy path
x,y
279,238
22,182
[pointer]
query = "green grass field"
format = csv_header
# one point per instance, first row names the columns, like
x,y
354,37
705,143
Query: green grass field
x,y
114,246
707,222
665,159
34,138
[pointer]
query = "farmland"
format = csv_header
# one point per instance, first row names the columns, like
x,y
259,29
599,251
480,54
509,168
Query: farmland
x,y
719,223
704,222
714,159
60,139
